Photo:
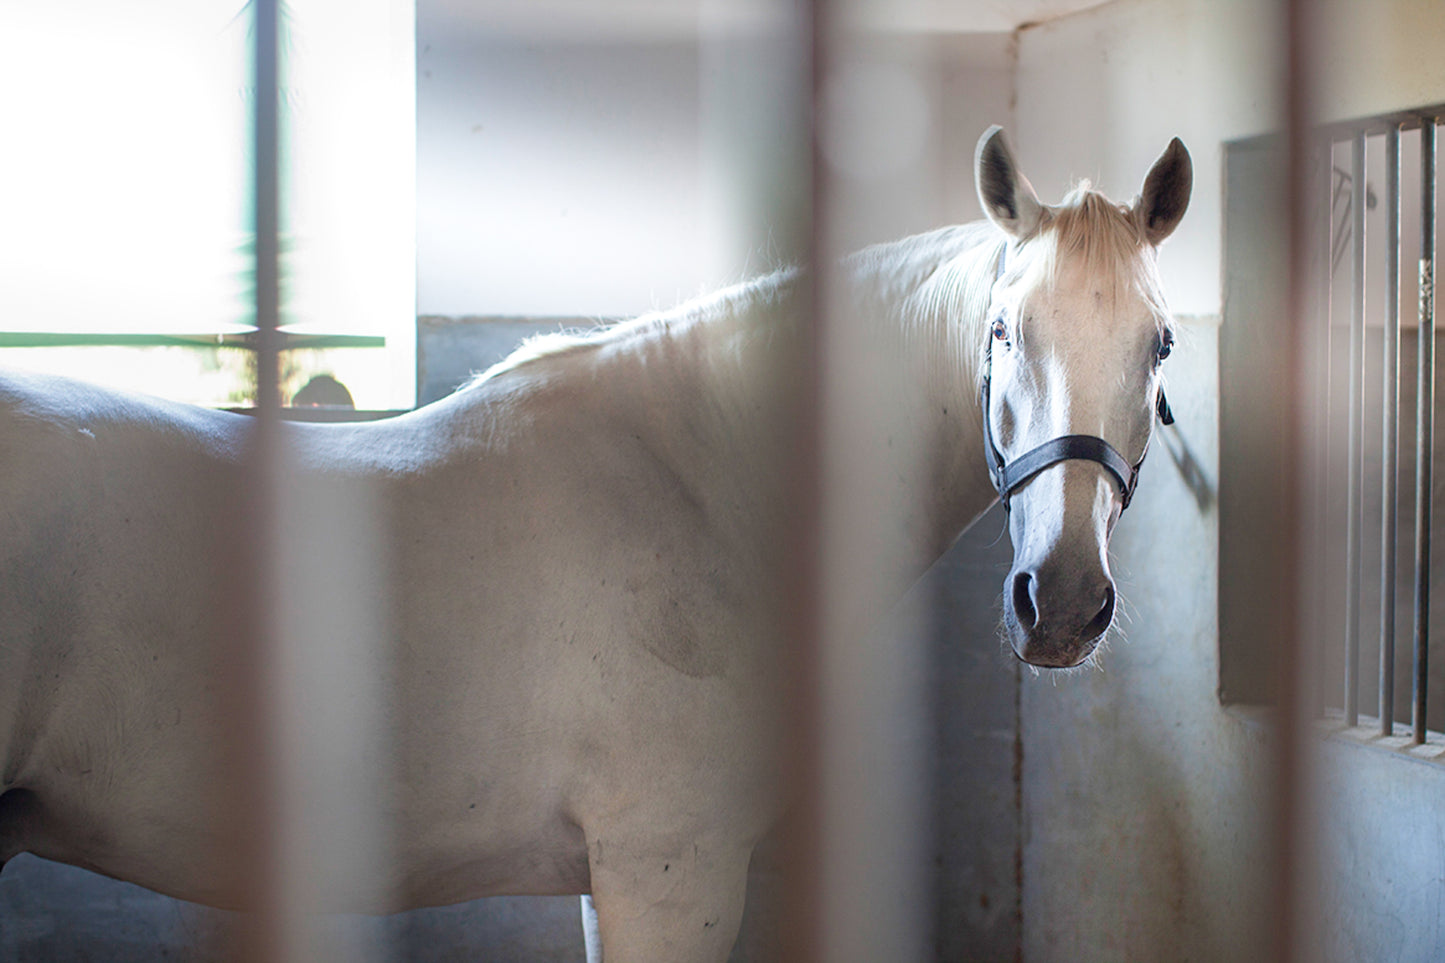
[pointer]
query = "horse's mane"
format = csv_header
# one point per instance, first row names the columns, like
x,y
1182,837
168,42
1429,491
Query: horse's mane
x,y
731,302
942,276
1106,240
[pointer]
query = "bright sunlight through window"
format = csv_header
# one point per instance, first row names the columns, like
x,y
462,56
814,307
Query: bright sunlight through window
x,y
125,238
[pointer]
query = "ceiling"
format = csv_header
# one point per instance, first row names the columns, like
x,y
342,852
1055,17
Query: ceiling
x,y
643,19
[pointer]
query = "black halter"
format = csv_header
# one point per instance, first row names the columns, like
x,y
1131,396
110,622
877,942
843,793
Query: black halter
x,y
1009,475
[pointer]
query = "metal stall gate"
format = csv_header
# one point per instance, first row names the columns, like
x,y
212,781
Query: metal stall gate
x,y
1404,150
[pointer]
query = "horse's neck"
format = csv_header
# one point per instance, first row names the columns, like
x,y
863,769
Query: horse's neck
x,y
708,393
931,293
701,390
923,300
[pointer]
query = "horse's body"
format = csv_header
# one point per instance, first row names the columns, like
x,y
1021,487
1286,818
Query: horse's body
x,y
582,550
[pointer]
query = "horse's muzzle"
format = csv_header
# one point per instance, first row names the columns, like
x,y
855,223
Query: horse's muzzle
x,y
1056,622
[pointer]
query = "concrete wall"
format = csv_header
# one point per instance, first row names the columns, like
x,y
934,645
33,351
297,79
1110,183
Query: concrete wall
x,y
1144,798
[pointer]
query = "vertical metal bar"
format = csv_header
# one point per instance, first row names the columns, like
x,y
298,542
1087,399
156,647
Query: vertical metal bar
x,y
873,899
268,208
1290,812
1389,471
1354,521
803,937
1424,429
253,658
1323,226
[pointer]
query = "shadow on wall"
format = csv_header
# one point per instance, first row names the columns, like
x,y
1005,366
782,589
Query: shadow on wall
x,y
1191,471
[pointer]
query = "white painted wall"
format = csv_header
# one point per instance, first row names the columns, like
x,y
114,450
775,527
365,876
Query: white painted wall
x,y
558,179
559,176
1144,799
1101,93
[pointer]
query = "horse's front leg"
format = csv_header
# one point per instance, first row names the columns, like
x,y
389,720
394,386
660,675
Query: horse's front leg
x,y
665,904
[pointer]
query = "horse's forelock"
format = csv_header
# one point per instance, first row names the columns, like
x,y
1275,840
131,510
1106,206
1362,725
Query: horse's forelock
x,y
1089,230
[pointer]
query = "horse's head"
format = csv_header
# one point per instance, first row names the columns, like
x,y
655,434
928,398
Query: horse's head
x,y
1077,332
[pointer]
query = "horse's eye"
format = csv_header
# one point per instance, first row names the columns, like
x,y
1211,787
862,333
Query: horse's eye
x,y
1166,345
1000,330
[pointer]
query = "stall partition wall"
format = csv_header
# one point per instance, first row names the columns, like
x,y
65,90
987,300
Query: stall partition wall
x,y
1147,799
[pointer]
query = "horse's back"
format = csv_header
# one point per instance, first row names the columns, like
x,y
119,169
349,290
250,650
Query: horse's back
x,y
113,512
574,632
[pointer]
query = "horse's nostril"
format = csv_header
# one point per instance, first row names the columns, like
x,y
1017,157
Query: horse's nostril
x,y
1023,601
1100,623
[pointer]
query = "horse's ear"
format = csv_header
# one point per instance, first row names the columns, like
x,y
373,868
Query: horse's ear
x,y
1166,193
1007,197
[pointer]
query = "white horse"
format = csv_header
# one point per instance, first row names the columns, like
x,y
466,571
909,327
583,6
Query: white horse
x,y
586,659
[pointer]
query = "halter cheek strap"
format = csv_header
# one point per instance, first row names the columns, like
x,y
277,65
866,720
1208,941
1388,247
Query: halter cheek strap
x,y
1010,475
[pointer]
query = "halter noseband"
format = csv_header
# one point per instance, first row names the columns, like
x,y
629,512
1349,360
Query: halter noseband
x,y
1009,475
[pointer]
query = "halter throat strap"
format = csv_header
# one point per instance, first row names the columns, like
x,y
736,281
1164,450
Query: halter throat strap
x,y
1007,476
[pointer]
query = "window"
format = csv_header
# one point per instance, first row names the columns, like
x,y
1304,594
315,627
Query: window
x,y
125,257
